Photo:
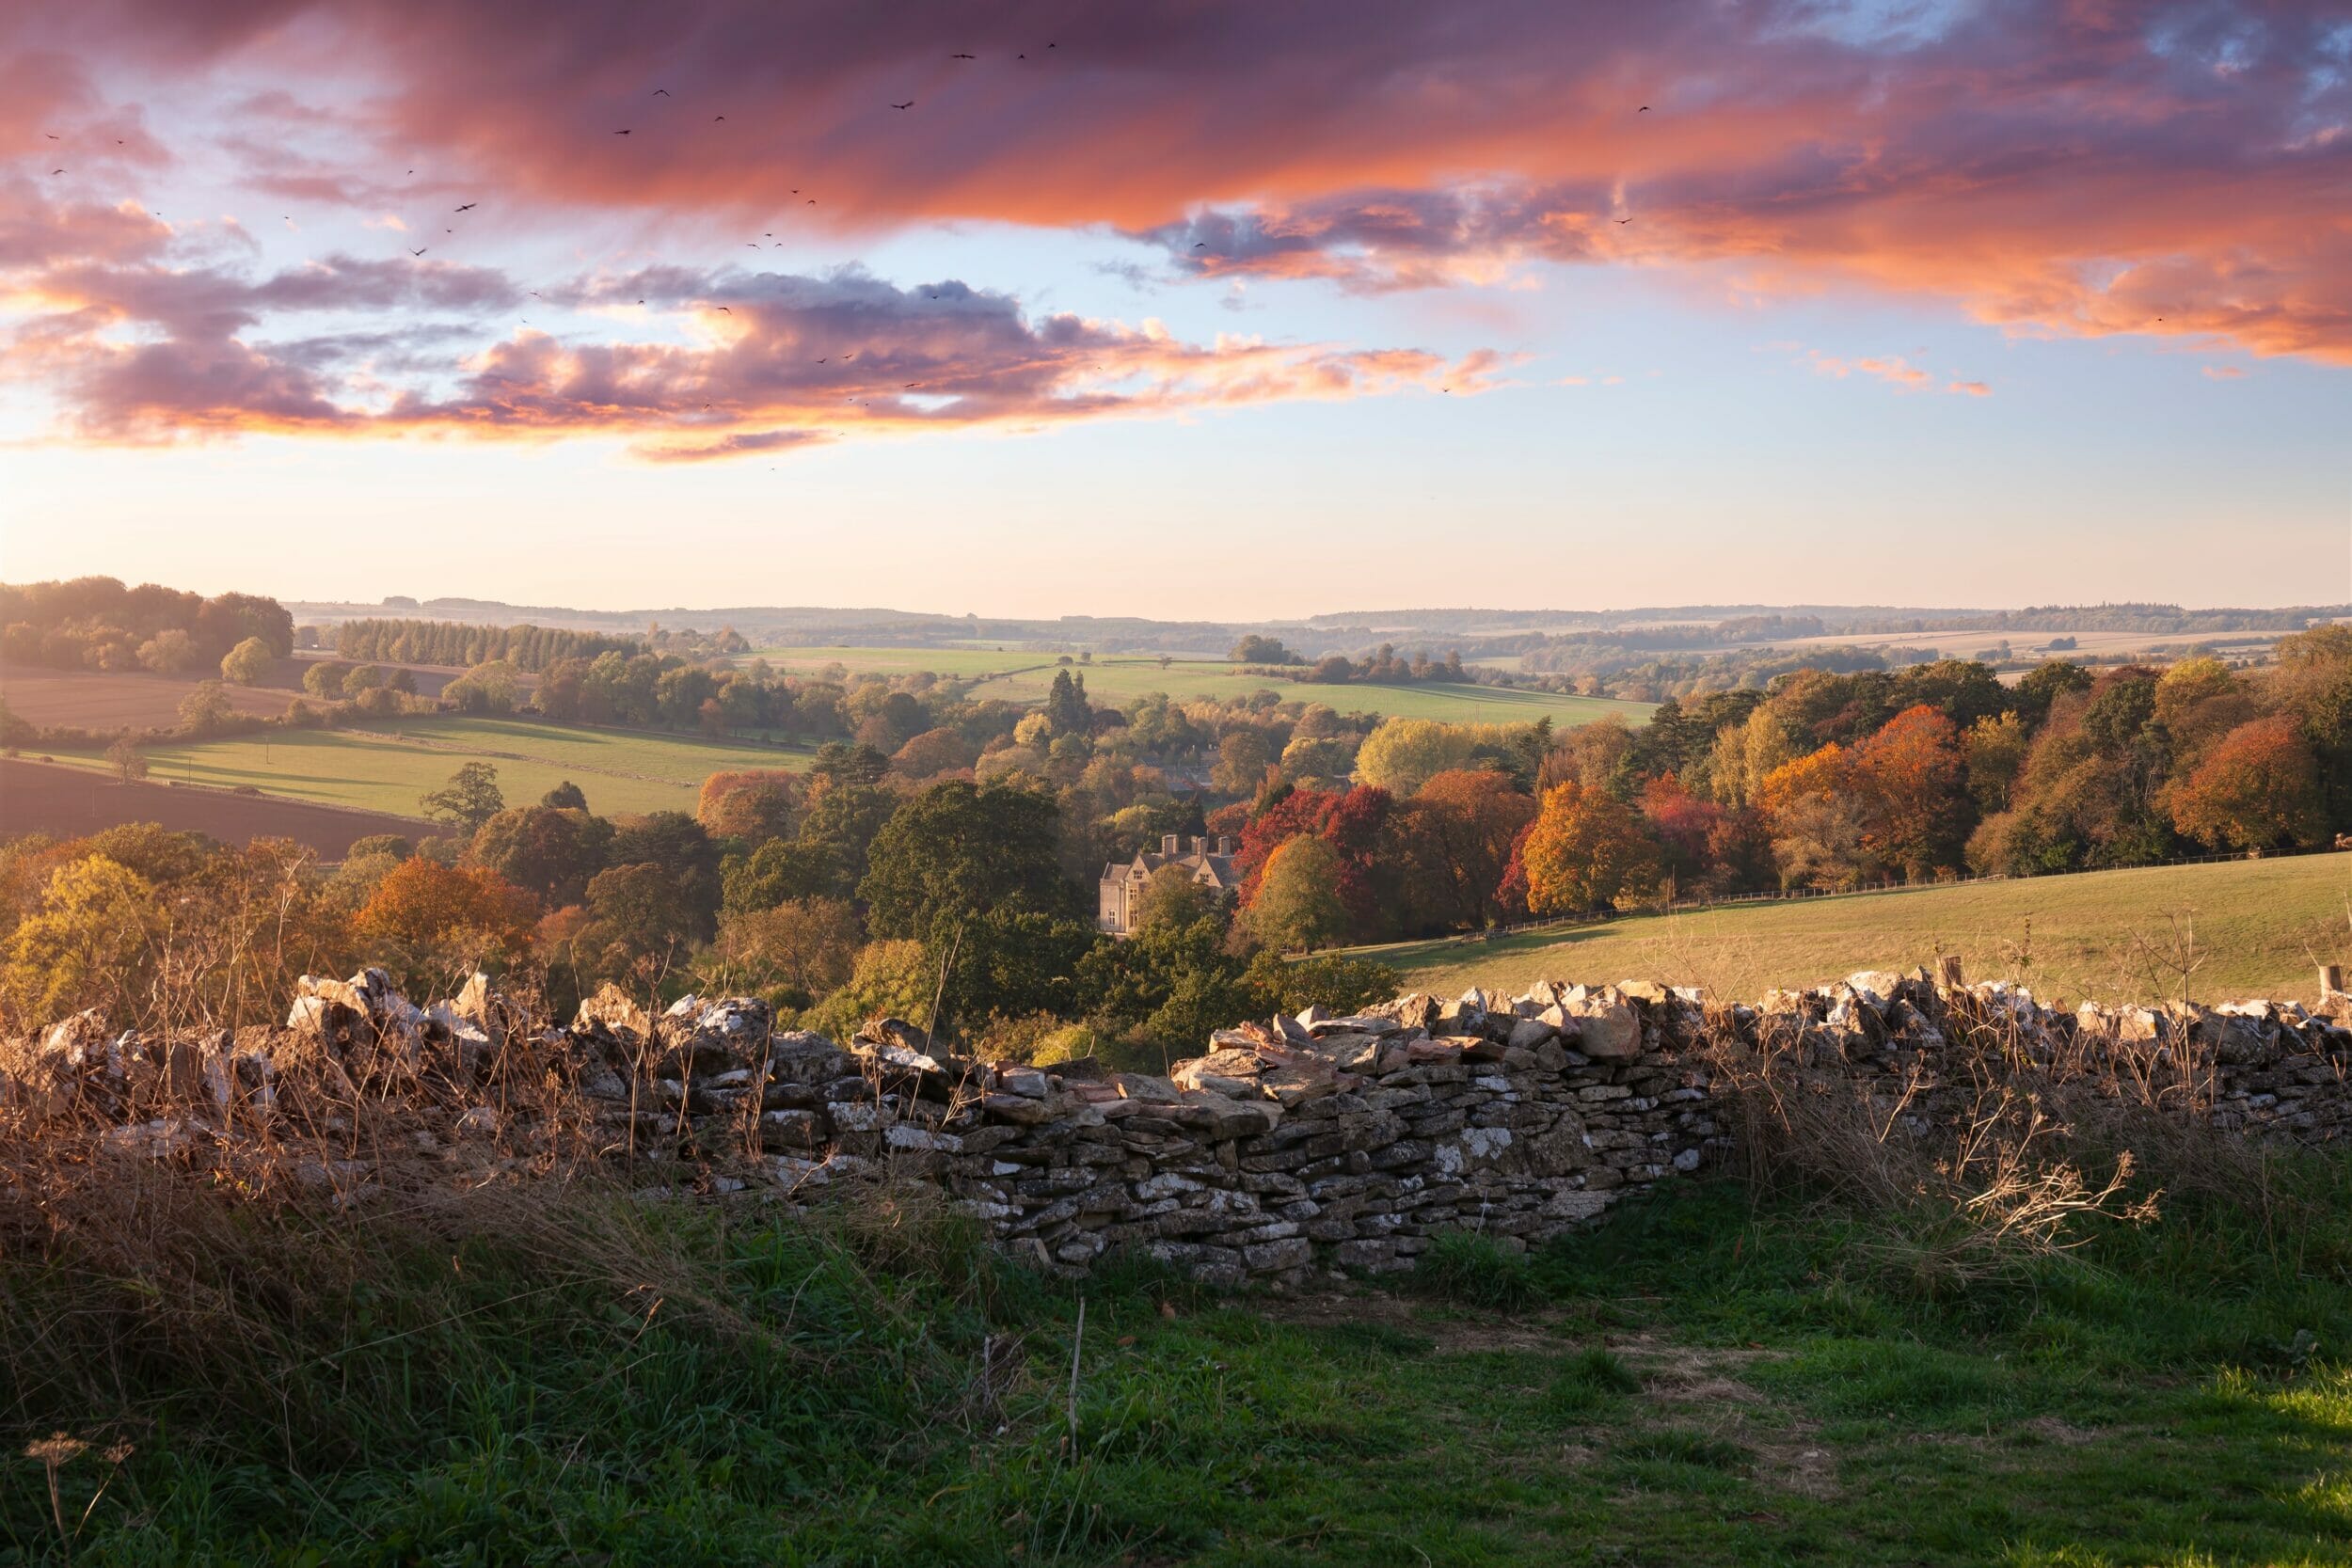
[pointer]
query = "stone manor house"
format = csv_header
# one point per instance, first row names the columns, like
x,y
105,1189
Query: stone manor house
x,y
1118,898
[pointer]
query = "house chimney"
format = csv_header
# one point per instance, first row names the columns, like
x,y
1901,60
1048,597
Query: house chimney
x,y
1224,845
1167,844
1200,845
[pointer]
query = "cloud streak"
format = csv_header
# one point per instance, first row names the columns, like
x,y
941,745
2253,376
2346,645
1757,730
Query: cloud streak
x,y
145,351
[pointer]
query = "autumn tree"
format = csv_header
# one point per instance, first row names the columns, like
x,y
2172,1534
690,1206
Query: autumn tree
x,y
1451,843
1352,822
428,922
931,753
1587,850
2198,701
566,795
1298,905
753,804
1908,778
91,942
171,652
2258,789
807,946
1687,828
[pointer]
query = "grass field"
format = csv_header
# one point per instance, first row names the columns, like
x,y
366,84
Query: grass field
x,y
1026,677
620,770
1705,1380
1119,681
2258,928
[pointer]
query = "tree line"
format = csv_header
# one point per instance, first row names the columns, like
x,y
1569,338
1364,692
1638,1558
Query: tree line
x,y
529,649
95,623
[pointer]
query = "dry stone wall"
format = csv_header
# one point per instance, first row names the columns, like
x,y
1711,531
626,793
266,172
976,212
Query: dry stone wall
x,y
1294,1144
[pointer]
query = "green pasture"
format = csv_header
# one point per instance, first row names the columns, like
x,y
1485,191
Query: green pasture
x,y
2221,931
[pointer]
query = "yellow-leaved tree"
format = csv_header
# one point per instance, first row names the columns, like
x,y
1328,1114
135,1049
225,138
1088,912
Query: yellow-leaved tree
x,y
1587,850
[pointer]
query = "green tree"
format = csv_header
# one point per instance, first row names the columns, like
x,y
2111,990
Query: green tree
x,y
325,678
469,798
686,853
549,850
1241,756
1298,903
247,662
566,795
974,873
1066,706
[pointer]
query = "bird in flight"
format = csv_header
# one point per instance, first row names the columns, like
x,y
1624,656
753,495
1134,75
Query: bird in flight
x,y
420,252
909,385
1201,246
820,361
725,309
952,57
716,119
661,92
535,293
56,171
469,206
620,132
908,104
52,136
1643,110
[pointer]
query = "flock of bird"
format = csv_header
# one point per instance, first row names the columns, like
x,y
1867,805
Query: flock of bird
x,y
420,251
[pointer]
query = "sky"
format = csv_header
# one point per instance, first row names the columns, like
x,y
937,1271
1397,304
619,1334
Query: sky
x,y
1181,307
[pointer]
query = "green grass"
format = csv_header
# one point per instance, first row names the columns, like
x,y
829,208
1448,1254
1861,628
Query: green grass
x,y
2249,927
1026,677
1701,1381
388,769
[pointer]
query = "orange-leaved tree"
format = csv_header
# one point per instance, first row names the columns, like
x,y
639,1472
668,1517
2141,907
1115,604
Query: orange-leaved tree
x,y
429,923
1908,776
2258,789
1587,850
754,805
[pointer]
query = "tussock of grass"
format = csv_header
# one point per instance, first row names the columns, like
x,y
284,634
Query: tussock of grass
x,y
1471,1270
1594,1381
